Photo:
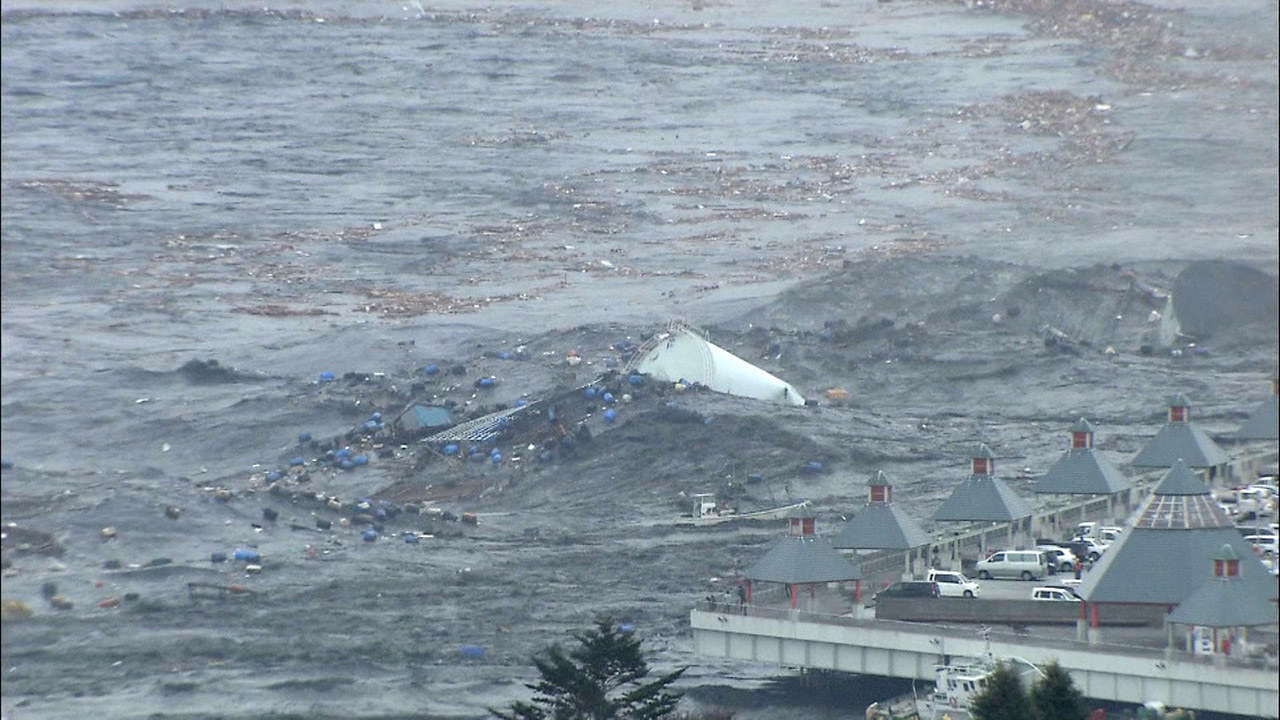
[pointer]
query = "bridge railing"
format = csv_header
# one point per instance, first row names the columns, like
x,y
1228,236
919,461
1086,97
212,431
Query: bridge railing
x,y
991,635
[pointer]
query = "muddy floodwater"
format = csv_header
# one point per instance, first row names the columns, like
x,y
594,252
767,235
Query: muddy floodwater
x,y
967,215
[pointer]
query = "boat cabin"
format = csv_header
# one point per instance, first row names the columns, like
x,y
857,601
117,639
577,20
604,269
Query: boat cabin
x,y
704,505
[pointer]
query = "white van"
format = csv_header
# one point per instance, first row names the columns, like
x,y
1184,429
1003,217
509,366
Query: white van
x,y
1025,564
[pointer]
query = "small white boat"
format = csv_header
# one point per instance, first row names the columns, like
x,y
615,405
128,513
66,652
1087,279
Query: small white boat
x,y
955,686
706,512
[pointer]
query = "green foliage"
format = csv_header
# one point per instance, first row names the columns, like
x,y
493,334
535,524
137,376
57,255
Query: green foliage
x,y
599,679
1055,696
1003,698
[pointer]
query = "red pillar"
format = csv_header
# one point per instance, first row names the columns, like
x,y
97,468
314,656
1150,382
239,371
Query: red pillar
x,y
857,591
1093,621
795,596
1084,611
748,592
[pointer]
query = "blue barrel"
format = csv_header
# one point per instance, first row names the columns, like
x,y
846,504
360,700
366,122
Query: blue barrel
x,y
273,476
627,628
343,454
590,392
431,369
495,451
496,458
370,424
304,437
610,415
369,535
520,402
250,556
636,380
376,417
608,397
473,652
297,461
326,377
360,460
506,355
410,538
346,464
218,558
486,382
813,466
450,449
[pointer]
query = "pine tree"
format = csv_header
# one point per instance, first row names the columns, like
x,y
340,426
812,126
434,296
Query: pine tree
x,y
599,679
1055,696
1003,698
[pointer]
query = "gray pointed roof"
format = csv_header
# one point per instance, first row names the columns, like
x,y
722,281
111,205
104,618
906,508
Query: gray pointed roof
x,y
1083,471
1149,565
880,477
1178,533
1181,480
1225,602
1181,502
1180,440
1179,400
982,451
1264,423
881,526
1081,425
982,498
801,559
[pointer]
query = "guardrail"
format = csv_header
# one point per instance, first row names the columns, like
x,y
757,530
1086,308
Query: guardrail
x,y
938,630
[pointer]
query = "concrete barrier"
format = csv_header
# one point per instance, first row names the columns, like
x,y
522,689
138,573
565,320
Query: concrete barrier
x,y
1011,612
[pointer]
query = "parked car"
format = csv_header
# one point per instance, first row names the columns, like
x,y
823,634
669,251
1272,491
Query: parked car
x,y
1054,594
954,584
1102,533
1060,559
1266,543
1025,564
909,589
1091,549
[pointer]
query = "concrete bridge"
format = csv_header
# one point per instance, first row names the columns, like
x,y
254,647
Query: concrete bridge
x,y
1121,673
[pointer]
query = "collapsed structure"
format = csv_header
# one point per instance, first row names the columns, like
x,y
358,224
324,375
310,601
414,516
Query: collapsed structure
x,y
683,354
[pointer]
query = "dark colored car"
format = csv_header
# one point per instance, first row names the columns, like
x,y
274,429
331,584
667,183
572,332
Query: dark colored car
x,y
910,589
